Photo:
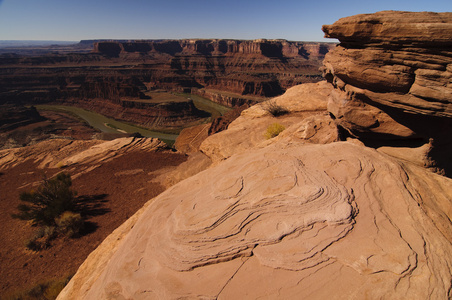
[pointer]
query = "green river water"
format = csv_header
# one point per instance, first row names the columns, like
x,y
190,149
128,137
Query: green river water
x,y
110,125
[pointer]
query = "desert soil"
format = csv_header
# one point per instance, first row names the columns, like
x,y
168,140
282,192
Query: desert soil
x,y
116,189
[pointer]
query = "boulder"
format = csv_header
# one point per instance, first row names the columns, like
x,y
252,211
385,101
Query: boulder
x,y
398,60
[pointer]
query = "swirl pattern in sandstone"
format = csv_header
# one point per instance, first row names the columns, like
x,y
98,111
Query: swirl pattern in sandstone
x,y
285,221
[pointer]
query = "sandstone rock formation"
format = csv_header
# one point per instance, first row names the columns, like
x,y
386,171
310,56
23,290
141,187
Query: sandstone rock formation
x,y
392,73
288,220
209,66
189,139
312,213
61,153
173,64
308,120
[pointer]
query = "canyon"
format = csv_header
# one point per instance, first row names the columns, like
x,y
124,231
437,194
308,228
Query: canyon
x,y
123,79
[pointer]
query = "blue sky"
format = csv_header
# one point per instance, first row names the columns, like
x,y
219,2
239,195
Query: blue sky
x,y
296,20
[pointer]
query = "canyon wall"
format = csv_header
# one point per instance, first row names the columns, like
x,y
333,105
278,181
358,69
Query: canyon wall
x,y
230,72
261,67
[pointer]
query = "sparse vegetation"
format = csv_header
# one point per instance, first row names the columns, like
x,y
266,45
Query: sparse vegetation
x,y
48,201
274,109
274,130
111,125
51,207
69,223
41,238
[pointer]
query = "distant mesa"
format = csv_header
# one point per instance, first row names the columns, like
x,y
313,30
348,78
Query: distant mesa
x,y
268,48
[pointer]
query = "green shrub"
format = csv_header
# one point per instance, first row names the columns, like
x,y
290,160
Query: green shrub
x,y
49,201
69,223
274,109
274,130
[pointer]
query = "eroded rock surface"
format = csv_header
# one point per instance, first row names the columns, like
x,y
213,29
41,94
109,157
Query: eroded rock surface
x,y
396,59
283,221
392,73
62,153
307,120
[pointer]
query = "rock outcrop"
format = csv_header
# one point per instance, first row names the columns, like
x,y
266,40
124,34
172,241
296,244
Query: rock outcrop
x,y
89,154
12,117
281,224
392,72
312,213
307,120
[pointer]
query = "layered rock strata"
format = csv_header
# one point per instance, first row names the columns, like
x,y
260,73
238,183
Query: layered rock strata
x,y
281,224
12,117
256,68
122,75
62,153
393,72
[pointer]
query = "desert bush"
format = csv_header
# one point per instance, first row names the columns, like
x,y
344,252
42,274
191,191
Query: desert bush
x,y
69,223
53,197
274,130
55,287
41,238
274,109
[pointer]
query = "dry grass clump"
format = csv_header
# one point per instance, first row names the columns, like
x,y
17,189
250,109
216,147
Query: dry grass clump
x,y
69,223
274,130
274,109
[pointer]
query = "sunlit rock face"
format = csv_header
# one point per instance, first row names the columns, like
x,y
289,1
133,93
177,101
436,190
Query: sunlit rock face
x,y
392,72
399,60
284,221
